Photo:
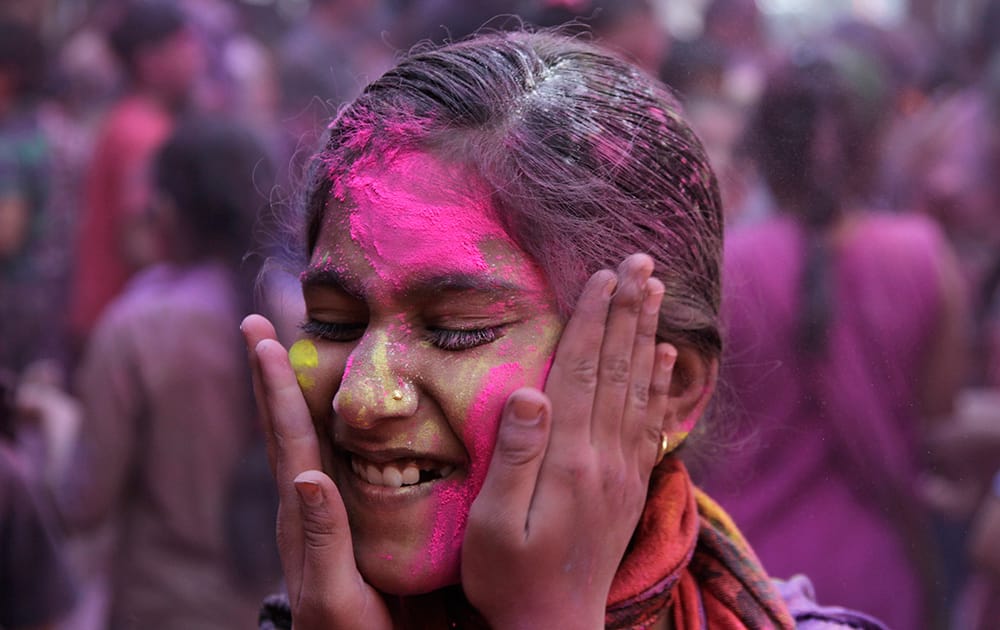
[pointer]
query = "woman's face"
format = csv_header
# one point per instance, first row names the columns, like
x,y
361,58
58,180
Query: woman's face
x,y
422,317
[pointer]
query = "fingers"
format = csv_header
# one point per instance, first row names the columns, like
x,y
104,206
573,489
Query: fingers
x,y
644,410
293,446
255,329
503,503
617,370
572,381
336,596
295,442
600,388
648,426
594,376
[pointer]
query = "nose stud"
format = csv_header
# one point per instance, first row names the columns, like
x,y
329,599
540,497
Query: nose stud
x,y
401,397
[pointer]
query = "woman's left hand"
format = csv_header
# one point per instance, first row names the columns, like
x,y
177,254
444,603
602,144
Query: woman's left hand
x,y
569,476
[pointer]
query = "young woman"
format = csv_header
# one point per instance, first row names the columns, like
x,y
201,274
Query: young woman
x,y
477,425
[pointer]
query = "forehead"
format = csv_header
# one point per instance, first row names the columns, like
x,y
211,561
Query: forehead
x,y
413,217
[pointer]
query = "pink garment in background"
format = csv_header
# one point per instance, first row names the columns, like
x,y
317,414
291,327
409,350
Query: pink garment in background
x,y
809,485
117,190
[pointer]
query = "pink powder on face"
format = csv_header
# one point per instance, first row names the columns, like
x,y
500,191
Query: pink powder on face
x,y
481,424
416,213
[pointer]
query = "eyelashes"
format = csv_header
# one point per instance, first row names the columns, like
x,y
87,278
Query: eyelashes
x,y
455,340
332,331
449,339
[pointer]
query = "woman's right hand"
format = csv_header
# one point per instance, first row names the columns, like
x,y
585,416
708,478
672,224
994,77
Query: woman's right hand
x,y
325,589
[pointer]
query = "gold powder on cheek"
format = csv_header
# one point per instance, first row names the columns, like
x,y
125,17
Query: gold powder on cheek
x,y
304,359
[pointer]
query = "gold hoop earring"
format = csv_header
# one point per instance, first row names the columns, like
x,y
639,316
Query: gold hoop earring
x,y
664,448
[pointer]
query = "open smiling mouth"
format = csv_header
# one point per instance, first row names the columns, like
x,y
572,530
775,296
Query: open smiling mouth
x,y
399,473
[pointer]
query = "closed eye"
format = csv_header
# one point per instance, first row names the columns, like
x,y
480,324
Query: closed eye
x,y
455,340
333,331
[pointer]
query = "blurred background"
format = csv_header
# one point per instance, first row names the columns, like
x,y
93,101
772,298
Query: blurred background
x,y
150,158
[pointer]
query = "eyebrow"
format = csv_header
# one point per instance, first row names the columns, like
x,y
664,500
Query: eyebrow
x,y
331,279
418,286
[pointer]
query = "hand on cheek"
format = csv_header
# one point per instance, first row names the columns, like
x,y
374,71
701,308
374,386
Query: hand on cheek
x,y
324,586
568,478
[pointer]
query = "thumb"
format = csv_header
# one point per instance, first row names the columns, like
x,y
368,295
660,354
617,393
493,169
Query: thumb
x,y
505,498
332,591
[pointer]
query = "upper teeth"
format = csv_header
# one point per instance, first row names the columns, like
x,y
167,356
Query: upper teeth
x,y
393,475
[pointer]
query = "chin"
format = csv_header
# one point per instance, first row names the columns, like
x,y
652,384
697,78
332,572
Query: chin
x,y
409,579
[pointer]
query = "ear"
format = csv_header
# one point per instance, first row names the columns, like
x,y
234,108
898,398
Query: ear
x,y
691,388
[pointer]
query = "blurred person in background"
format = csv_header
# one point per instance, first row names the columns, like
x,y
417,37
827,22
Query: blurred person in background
x,y
323,60
32,238
738,30
846,345
162,61
168,449
946,168
633,29
718,75
36,590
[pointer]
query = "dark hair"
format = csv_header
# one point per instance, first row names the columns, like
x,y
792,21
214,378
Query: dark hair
x,y
22,54
214,172
144,23
807,138
587,158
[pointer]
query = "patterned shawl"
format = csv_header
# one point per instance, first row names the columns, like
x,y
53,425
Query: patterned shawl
x,y
688,556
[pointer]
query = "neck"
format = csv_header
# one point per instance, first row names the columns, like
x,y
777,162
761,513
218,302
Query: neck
x,y
444,608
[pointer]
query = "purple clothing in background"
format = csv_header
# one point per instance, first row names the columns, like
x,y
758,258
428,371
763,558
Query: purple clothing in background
x,y
36,587
798,594
167,414
822,489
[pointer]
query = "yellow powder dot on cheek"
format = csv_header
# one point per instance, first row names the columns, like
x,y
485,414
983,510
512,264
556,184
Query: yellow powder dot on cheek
x,y
304,359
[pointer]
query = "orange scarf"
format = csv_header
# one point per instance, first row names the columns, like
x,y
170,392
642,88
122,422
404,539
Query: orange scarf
x,y
687,556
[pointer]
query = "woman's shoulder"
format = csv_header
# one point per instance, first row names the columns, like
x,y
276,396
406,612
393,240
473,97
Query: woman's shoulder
x,y
800,598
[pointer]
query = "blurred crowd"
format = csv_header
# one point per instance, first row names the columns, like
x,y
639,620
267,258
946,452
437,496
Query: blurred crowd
x,y
150,154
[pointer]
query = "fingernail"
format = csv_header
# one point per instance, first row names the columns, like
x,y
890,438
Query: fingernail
x,y
669,357
611,285
651,303
527,411
310,493
261,345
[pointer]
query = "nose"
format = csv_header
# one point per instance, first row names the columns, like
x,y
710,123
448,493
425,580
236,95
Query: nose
x,y
374,386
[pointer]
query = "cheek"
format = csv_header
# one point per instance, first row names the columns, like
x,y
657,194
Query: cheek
x,y
318,370
483,418
304,359
478,432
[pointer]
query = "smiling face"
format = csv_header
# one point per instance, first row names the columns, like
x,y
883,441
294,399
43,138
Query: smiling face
x,y
422,317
